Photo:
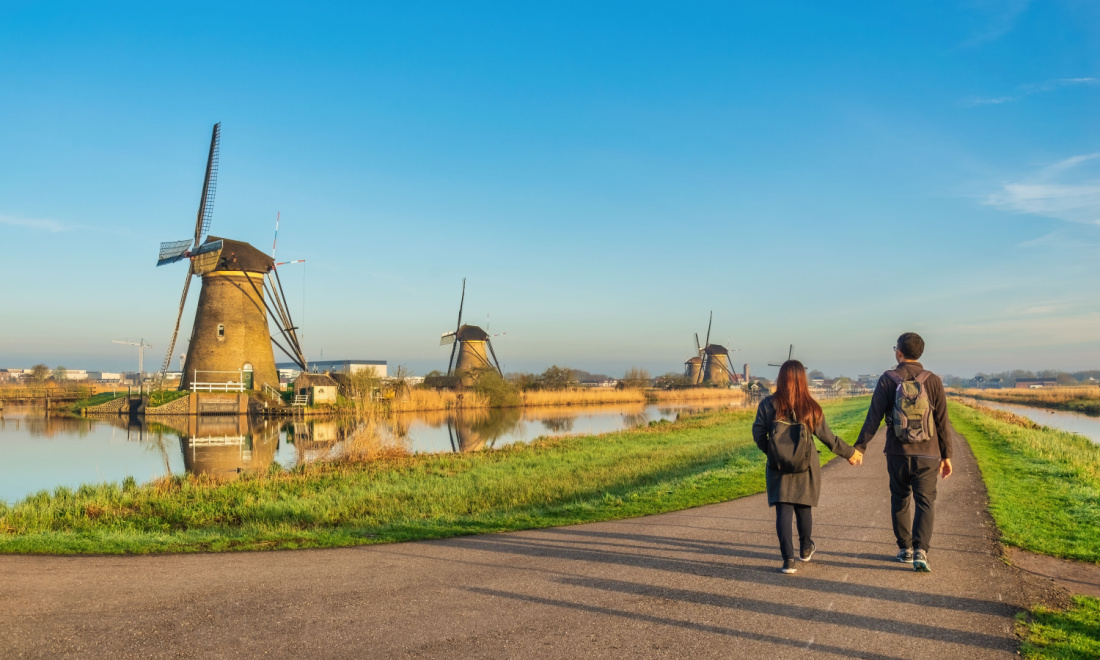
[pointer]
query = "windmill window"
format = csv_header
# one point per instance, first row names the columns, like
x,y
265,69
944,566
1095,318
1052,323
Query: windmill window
x,y
221,331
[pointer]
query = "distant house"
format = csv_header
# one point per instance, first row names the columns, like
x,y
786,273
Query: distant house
x,y
320,388
107,376
1035,383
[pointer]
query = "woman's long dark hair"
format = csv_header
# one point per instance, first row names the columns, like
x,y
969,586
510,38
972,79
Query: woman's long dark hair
x,y
792,396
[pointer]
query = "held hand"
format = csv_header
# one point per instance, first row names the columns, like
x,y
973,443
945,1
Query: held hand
x,y
856,459
945,468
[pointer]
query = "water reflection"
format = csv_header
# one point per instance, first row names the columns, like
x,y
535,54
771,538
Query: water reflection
x,y
45,452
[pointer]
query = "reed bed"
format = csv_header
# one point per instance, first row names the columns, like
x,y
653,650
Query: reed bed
x,y
416,400
583,396
1076,399
698,394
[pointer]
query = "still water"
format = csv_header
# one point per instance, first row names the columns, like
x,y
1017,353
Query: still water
x,y
39,453
1078,423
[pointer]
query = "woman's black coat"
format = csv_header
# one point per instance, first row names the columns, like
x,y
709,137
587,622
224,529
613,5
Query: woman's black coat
x,y
802,487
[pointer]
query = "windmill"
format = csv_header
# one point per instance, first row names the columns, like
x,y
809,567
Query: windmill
x,y
468,342
230,338
712,364
790,353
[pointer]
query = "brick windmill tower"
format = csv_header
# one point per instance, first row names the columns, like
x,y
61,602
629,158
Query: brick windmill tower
x,y
231,344
713,363
469,342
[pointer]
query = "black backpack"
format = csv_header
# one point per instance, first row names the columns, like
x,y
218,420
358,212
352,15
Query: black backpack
x,y
790,447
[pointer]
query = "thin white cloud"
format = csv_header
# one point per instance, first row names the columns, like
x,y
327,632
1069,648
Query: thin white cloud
x,y
1002,18
52,226
1066,190
1036,88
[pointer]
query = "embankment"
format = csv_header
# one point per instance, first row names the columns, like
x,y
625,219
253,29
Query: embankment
x,y
1044,495
667,466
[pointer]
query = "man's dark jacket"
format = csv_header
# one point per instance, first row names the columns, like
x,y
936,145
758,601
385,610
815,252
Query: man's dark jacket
x,y
882,405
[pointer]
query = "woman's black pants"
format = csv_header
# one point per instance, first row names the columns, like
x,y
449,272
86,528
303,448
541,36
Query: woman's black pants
x,y
784,515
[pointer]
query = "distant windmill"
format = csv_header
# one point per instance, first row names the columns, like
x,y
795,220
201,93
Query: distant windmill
x,y
230,339
712,364
790,352
141,354
469,342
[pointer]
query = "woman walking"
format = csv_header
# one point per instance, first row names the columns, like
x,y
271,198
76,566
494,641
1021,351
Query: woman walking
x,y
785,426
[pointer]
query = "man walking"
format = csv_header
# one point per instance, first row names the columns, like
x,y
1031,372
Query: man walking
x,y
918,445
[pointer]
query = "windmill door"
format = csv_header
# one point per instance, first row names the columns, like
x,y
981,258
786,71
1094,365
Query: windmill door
x,y
247,376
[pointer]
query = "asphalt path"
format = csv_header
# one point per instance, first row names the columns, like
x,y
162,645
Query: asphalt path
x,y
697,583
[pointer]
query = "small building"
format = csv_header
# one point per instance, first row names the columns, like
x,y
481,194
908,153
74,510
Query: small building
x,y
1035,383
106,376
344,366
320,388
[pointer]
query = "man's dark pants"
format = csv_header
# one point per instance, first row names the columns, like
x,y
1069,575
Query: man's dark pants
x,y
916,475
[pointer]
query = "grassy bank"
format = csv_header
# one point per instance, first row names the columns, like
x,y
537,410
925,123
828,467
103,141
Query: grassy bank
x,y
1044,495
1074,399
663,467
1044,484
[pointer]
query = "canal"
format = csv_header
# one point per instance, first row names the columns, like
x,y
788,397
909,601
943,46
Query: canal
x,y
1078,423
43,453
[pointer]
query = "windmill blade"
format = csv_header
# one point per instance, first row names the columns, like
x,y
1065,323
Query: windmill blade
x,y
176,330
451,362
209,246
451,435
708,329
173,251
461,304
447,338
489,342
209,186
790,352
698,348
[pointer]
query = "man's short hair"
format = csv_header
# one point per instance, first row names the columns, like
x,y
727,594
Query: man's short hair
x,y
911,345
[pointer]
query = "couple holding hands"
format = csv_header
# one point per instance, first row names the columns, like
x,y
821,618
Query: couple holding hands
x,y
918,449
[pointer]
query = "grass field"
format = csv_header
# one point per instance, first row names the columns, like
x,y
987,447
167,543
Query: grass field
x,y
663,467
1044,494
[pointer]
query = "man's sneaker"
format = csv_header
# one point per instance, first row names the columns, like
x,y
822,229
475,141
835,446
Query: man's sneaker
x,y
920,561
807,554
789,566
905,556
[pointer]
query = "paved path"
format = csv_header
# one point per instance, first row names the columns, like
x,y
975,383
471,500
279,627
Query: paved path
x,y
698,583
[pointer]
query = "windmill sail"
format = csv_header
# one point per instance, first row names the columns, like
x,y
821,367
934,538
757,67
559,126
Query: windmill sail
x,y
202,225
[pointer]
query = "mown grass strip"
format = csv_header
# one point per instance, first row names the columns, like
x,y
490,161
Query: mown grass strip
x,y
1044,484
664,467
1044,495
1072,634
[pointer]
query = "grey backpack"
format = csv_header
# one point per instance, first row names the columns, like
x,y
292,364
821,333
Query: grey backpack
x,y
912,419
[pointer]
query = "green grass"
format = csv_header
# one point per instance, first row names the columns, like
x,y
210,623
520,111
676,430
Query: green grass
x,y
1072,633
95,400
161,397
664,467
1044,484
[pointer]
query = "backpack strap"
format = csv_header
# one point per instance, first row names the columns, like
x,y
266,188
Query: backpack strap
x,y
895,376
922,376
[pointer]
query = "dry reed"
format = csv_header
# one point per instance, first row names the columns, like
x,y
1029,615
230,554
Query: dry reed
x,y
699,394
584,396
1036,396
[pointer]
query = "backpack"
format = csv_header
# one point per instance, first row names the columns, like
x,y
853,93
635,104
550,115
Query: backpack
x,y
790,447
912,419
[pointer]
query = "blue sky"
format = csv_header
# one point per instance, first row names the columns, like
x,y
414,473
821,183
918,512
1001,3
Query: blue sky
x,y
604,174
